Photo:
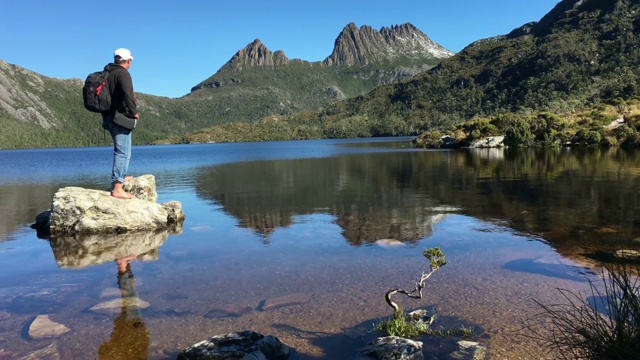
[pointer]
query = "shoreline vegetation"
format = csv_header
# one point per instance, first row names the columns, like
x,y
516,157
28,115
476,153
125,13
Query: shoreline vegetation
x,y
615,123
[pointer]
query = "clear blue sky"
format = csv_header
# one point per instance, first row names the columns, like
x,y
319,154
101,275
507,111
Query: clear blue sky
x,y
178,43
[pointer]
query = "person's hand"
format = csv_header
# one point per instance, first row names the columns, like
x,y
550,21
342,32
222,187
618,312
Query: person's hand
x,y
136,116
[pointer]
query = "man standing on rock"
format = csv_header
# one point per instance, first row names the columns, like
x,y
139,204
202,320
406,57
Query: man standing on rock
x,y
123,100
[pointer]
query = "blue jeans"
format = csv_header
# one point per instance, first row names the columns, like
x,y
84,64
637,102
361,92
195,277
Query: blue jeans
x,y
121,149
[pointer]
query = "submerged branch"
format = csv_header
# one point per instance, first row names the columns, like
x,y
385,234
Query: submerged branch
x,y
436,261
418,288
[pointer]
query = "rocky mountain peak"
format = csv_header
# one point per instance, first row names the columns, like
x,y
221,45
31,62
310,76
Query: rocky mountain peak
x,y
365,45
257,54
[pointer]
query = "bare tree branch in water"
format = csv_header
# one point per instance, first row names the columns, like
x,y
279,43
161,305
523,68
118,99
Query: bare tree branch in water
x,y
436,261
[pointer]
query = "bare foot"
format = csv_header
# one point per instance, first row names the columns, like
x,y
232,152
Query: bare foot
x,y
128,178
122,195
123,262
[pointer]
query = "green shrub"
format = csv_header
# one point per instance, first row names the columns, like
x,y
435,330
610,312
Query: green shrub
x,y
429,140
518,133
626,136
587,137
633,121
549,129
478,129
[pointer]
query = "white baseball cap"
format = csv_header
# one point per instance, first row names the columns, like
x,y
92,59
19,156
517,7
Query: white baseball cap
x,y
124,54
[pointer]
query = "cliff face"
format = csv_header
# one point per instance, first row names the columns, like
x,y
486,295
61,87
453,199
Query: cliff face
x,y
20,95
365,45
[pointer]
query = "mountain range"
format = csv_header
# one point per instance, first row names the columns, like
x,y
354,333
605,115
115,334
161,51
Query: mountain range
x,y
582,53
254,83
396,81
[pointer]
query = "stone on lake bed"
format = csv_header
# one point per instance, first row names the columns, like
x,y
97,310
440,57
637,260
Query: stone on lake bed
x,y
4,315
283,301
42,327
51,352
420,317
110,293
469,350
9,354
115,306
229,311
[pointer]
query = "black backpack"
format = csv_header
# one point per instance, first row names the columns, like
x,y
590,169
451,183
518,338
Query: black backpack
x,y
95,92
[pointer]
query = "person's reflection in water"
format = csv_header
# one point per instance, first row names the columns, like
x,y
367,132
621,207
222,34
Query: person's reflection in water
x,y
130,337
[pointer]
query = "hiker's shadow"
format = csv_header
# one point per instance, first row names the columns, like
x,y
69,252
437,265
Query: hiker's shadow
x,y
349,343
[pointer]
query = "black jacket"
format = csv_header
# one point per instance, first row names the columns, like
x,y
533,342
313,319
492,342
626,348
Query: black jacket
x,y
123,98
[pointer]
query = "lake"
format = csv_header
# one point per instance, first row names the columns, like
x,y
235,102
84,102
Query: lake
x,y
301,240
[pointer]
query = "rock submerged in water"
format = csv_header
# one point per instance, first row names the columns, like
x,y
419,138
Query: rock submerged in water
x,y
283,301
240,345
42,328
228,311
77,210
394,348
114,306
469,350
398,348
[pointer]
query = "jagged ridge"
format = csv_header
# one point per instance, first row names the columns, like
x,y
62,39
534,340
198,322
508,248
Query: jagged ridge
x,y
353,47
366,45
257,54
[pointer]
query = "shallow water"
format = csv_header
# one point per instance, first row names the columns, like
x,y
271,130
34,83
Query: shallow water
x,y
331,224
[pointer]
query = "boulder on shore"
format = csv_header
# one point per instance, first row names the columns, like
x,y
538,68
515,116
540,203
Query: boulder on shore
x,y
77,210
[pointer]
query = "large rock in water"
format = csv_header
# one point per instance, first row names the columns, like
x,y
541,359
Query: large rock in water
x,y
243,345
78,210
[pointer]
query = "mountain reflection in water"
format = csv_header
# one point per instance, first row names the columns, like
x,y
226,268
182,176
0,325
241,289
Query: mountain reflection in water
x,y
579,200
